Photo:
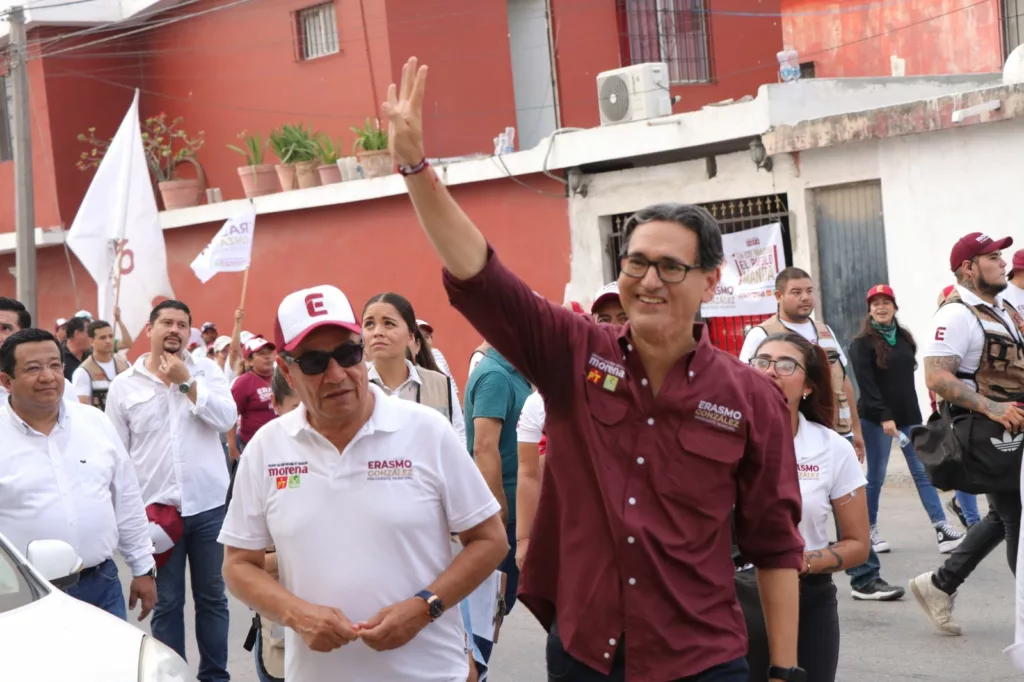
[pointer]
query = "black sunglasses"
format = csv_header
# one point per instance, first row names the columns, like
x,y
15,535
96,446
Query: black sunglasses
x,y
316,361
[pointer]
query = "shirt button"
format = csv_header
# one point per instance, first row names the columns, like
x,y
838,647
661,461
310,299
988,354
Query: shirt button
x,y
643,382
632,581
629,347
650,421
691,373
632,500
607,655
611,642
639,460
631,539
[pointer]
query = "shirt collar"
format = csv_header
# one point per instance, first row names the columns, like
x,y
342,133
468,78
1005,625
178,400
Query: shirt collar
x,y
700,356
811,438
971,298
23,426
385,416
493,354
140,366
374,376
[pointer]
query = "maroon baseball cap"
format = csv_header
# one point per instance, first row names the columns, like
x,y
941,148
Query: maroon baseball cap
x,y
881,290
973,245
1018,261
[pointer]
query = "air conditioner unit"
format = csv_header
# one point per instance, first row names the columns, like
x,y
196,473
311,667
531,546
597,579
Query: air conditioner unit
x,y
634,93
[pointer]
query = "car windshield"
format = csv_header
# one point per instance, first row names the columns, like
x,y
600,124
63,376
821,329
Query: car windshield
x,y
17,586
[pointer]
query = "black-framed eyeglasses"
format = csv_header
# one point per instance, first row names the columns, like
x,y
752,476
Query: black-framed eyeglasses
x,y
670,271
316,362
784,367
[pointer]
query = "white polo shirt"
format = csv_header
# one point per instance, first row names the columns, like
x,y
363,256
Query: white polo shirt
x,y
530,428
805,329
828,469
1014,295
362,530
956,332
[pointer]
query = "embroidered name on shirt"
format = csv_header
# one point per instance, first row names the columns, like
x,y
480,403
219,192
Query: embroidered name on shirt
x,y
389,470
718,415
808,472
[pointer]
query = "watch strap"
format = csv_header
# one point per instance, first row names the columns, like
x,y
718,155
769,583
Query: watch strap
x,y
787,674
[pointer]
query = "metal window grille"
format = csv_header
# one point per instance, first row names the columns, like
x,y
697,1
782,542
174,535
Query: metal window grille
x,y
727,333
1013,24
670,31
6,142
317,29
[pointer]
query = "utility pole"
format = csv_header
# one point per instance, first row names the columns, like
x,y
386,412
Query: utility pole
x,y
24,196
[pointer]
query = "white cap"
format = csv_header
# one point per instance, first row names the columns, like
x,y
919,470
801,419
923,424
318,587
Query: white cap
x,y
424,324
61,321
84,313
610,290
221,343
303,311
255,344
244,337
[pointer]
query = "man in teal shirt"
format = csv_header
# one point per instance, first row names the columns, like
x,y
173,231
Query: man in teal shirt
x,y
494,398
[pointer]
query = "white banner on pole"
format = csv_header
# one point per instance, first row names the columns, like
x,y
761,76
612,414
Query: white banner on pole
x,y
230,250
752,260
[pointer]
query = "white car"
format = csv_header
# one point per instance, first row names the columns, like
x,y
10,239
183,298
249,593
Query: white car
x,y
48,636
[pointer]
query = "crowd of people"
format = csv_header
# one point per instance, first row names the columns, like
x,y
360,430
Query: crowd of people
x,y
665,510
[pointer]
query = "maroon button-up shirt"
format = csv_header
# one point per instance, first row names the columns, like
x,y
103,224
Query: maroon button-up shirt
x,y
632,534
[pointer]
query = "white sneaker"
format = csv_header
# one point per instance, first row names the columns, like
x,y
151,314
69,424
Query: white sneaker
x,y
947,538
937,605
878,543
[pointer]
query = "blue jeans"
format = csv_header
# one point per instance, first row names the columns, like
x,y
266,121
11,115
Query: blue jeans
x,y
482,648
205,555
878,446
101,588
969,506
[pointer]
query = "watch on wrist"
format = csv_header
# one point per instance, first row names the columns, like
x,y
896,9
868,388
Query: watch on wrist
x,y
186,386
435,607
787,674
151,573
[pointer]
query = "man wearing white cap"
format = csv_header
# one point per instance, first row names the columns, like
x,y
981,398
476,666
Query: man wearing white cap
x,y
359,494
607,306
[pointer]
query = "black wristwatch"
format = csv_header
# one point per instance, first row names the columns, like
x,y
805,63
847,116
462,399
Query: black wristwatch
x,y
151,573
787,674
435,607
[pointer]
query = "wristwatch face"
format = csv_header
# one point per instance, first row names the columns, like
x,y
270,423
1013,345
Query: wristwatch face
x,y
436,607
185,387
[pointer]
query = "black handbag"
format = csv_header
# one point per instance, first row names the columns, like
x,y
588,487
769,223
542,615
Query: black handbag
x,y
966,451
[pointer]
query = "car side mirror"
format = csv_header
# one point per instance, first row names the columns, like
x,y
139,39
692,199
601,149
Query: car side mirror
x,y
56,560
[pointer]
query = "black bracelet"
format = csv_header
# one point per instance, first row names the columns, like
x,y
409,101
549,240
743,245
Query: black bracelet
x,y
413,170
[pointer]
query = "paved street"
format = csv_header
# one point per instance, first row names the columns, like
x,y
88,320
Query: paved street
x,y
881,642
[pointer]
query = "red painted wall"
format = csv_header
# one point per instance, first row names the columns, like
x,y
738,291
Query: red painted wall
x,y
931,36
362,248
588,37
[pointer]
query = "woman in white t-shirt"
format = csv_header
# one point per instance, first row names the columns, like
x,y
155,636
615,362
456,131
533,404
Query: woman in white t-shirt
x,y
831,481
532,447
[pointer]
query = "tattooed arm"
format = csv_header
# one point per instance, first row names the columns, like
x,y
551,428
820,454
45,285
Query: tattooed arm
x,y
851,513
940,376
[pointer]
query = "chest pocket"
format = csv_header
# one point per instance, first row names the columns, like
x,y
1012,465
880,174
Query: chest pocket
x,y
702,468
145,411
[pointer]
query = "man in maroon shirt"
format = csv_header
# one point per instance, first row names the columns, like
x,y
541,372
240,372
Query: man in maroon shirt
x,y
658,437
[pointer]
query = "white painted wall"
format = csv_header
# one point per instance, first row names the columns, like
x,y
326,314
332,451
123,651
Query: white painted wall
x,y
936,188
529,43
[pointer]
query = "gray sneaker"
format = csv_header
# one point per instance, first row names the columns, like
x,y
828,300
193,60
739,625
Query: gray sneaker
x,y
937,605
878,543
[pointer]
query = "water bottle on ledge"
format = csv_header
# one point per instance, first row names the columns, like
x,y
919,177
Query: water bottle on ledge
x,y
789,65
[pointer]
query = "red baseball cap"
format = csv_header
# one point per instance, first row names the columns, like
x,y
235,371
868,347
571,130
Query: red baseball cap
x,y
973,245
303,311
1018,261
881,290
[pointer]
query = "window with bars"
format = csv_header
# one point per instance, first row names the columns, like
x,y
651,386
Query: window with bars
x,y
6,142
317,31
670,31
1013,25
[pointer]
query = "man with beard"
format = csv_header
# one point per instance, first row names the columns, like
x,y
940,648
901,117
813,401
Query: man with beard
x,y
975,362
169,409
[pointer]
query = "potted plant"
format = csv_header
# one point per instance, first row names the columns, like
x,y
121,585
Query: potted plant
x,y
258,178
166,145
328,152
374,157
285,170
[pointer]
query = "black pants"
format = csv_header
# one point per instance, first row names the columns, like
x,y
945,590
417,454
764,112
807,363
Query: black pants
x,y
562,667
233,470
818,639
1001,523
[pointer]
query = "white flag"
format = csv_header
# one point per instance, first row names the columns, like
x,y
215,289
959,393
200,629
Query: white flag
x,y
119,209
230,250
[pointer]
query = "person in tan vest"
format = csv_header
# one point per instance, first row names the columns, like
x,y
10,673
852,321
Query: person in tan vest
x,y
401,361
794,292
92,378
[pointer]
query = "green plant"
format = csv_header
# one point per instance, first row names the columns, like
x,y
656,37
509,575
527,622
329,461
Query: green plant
x,y
165,143
370,137
327,151
255,148
293,144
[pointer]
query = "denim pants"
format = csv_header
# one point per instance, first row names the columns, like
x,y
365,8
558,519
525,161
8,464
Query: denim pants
x,y
101,587
205,556
878,446
482,647
969,506
869,571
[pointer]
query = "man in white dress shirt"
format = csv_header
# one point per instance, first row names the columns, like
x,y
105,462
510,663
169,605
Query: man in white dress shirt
x,y
169,409
64,475
14,317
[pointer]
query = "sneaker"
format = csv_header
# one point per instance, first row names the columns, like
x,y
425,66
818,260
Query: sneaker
x,y
937,605
954,507
878,590
878,543
947,538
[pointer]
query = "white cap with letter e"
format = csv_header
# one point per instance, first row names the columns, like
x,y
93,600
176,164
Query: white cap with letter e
x,y
303,311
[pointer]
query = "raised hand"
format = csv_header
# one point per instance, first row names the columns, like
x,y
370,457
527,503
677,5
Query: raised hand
x,y
404,109
174,368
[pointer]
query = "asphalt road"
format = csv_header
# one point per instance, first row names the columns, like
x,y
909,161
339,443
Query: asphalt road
x,y
881,642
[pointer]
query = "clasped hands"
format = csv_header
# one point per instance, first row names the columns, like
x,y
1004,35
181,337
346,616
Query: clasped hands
x,y
325,628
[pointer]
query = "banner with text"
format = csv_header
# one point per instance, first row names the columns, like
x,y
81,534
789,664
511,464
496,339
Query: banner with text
x,y
752,260
230,250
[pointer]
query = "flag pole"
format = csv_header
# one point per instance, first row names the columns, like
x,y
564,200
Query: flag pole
x,y
122,210
117,277
245,286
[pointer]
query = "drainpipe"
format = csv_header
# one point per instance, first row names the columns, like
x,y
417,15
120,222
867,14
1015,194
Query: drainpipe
x,y
369,62
553,58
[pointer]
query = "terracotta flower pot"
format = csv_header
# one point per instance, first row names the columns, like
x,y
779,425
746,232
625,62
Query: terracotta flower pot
x,y
376,164
285,176
329,173
259,180
306,174
181,193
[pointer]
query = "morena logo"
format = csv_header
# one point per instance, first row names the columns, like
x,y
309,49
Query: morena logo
x,y
315,305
